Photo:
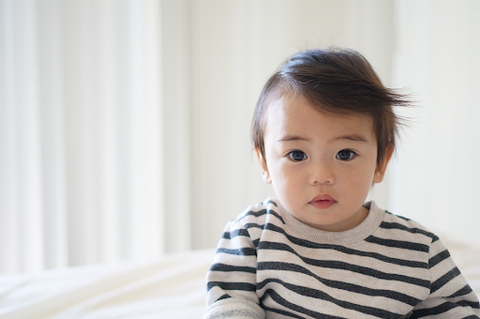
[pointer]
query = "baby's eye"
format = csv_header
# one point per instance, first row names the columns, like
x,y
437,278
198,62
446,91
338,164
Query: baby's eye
x,y
297,156
346,155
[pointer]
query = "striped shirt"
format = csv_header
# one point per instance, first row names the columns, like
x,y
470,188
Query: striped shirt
x,y
270,265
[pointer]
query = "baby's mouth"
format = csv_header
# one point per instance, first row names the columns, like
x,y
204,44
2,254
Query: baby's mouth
x,y
323,201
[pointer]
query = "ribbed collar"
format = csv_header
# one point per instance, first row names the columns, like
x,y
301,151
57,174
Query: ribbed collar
x,y
353,236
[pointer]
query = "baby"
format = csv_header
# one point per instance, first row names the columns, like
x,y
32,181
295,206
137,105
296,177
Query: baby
x,y
324,131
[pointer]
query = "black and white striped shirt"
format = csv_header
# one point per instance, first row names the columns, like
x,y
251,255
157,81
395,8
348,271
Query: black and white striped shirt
x,y
270,265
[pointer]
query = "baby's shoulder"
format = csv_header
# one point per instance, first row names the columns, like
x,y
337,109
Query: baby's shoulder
x,y
401,228
257,219
260,214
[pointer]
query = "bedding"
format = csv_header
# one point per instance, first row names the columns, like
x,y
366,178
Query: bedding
x,y
171,287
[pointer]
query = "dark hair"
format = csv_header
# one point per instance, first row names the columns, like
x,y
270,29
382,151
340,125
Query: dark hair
x,y
334,81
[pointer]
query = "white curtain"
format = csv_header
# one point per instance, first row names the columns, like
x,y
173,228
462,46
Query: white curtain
x,y
81,136
124,124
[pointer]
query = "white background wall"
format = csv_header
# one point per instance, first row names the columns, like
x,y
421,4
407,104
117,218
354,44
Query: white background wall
x,y
436,177
124,125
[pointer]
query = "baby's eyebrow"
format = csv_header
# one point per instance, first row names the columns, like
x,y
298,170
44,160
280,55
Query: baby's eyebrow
x,y
352,137
290,138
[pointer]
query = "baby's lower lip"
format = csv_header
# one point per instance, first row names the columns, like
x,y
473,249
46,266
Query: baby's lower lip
x,y
322,204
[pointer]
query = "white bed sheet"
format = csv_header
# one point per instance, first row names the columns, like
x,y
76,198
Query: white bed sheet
x,y
171,287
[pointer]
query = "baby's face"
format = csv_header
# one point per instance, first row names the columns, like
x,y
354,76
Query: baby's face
x,y
321,166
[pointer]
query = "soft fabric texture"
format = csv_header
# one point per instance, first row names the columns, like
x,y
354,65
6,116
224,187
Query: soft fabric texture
x,y
270,265
170,287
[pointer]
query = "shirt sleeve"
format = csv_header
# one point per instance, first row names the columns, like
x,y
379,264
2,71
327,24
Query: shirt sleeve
x,y
450,295
231,280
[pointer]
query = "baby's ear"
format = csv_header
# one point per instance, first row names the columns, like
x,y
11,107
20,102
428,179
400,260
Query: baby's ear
x,y
263,166
382,167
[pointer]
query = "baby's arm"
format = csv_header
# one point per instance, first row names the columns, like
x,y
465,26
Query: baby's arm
x,y
232,277
450,295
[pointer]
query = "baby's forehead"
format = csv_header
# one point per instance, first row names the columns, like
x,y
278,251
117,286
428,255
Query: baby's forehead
x,y
288,106
291,115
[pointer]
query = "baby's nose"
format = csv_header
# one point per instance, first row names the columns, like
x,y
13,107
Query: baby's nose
x,y
322,174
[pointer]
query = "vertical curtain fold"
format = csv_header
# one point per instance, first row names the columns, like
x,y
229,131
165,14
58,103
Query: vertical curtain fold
x,y
52,139
177,82
21,182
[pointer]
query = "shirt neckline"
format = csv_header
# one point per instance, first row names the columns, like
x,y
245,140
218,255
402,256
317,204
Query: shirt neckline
x,y
352,236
